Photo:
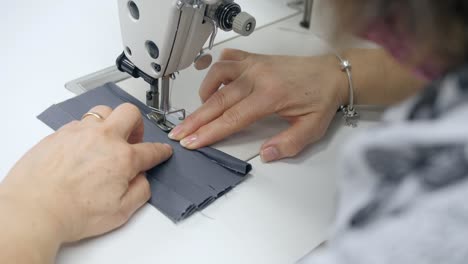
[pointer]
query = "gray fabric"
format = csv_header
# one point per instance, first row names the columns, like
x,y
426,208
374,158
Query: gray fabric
x,y
188,182
226,160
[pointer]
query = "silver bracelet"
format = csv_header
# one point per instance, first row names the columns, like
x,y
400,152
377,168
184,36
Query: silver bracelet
x,y
350,114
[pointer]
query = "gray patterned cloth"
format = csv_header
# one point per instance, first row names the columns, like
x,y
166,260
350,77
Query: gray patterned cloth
x,y
404,184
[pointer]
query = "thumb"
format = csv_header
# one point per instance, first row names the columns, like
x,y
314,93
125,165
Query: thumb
x,y
303,131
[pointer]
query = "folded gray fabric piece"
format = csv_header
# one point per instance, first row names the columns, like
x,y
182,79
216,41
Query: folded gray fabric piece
x,y
186,183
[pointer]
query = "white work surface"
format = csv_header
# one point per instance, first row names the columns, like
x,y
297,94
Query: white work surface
x,y
281,212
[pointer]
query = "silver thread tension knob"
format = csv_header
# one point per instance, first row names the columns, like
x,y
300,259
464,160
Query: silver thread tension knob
x,y
244,24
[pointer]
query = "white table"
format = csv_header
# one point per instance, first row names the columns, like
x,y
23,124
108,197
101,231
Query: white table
x,y
278,215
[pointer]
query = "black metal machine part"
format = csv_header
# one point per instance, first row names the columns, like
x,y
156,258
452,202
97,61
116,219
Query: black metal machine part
x,y
225,15
159,116
125,65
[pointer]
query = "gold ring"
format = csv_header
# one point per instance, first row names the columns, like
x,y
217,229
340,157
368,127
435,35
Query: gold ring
x,y
96,115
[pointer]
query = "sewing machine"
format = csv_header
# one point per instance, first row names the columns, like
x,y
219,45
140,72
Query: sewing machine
x,y
163,37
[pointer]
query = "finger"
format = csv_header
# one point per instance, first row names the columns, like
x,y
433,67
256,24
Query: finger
x,y
303,131
233,55
137,134
223,72
213,108
101,110
148,155
124,120
233,120
137,195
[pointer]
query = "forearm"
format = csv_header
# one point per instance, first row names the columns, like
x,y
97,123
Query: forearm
x,y
379,79
27,234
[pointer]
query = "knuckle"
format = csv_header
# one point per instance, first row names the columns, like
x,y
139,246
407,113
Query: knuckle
x,y
272,91
104,130
219,99
215,68
255,70
292,145
73,123
232,117
191,119
106,108
268,81
216,72
131,108
70,126
103,108
261,68
226,52
277,95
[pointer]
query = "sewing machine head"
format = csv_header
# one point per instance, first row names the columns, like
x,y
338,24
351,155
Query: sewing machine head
x,y
162,37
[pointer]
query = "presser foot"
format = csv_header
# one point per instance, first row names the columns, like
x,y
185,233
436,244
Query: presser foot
x,y
160,118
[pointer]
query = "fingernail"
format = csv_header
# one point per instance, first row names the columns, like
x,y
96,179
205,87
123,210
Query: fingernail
x,y
270,154
188,141
175,133
167,146
169,149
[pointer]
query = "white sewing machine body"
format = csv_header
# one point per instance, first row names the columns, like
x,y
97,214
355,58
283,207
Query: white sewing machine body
x,y
162,37
162,33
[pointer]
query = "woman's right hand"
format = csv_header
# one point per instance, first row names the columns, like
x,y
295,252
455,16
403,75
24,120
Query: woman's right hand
x,y
86,179
306,91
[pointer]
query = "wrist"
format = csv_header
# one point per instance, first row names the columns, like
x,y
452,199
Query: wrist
x,y
32,230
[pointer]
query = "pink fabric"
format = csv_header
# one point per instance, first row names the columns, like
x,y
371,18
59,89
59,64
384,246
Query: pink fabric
x,y
401,45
